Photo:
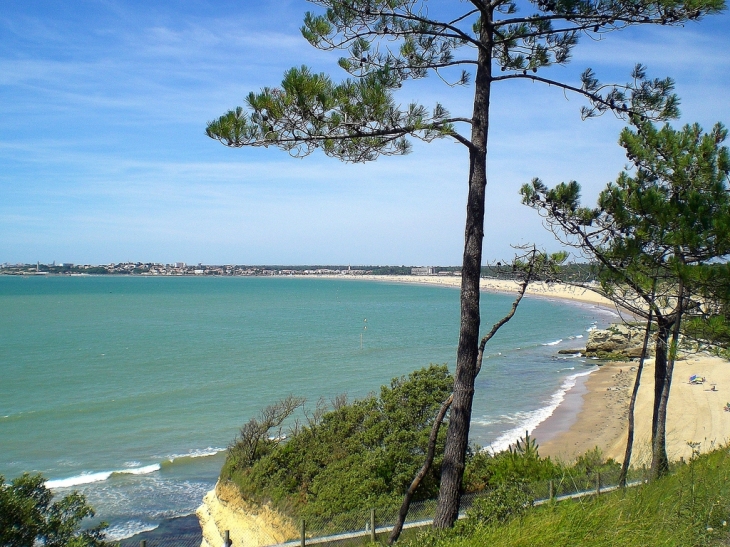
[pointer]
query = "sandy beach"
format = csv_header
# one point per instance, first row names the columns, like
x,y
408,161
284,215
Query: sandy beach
x,y
696,412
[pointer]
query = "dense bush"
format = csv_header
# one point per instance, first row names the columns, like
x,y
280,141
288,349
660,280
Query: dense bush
x,y
504,503
359,455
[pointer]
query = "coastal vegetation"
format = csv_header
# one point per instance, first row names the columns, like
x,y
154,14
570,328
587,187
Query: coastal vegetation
x,y
29,516
386,43
357,455
330,466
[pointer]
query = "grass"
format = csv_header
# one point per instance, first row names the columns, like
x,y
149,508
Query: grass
x,y
690,507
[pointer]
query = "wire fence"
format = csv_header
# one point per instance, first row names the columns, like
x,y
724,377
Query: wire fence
x,y
361,526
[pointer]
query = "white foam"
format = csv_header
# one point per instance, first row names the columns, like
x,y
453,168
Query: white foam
x,y
200,453
485,422
528,421
553,343
128,529
89,478
566,356
146,470
84,478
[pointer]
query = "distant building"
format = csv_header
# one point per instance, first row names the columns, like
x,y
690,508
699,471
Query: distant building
x,y
428,270
179,264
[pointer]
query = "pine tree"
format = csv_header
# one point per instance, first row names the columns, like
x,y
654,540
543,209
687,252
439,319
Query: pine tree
x,y
656,233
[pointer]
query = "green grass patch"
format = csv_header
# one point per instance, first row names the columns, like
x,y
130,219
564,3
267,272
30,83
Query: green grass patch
x,y
690,507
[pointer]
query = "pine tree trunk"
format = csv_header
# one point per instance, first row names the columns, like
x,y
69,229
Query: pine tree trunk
x,y
430,453
659,459
457,437
632,405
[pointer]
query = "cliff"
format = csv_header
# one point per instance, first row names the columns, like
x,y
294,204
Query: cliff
x,y
249,525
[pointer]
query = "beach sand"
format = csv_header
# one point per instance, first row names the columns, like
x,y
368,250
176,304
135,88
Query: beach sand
x,y
695,414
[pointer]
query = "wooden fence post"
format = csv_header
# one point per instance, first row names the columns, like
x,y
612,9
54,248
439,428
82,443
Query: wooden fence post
x,y
372,525
304,533
598,483
551,490
143,543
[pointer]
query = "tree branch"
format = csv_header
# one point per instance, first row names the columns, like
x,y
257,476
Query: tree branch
x,y
403,512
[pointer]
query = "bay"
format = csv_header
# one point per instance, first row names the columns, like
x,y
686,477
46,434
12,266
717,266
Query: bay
x,y
129,388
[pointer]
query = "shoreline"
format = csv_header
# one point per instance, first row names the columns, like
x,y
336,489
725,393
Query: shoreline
x,y
560,434
560,291
695,412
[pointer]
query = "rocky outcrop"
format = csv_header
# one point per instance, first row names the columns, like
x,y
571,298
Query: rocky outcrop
x,y
250,525
619,341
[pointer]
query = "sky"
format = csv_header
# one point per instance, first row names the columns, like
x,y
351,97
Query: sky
x,y
104,157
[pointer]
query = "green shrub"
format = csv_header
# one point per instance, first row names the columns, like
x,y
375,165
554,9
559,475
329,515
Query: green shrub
x,y
30,517
357,456
690,507
501,505
520,463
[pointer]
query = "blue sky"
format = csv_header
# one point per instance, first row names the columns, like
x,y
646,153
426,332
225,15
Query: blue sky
x,y
103,155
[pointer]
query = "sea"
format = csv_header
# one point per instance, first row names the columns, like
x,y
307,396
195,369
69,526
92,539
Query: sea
x,y
128,389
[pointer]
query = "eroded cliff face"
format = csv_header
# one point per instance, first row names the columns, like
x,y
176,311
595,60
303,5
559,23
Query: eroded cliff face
x,y
249,525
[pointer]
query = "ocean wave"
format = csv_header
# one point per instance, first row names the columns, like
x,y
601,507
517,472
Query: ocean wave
x,y
88,478
555,343
128,529
132,468
485,422
566,356
528,421
193,454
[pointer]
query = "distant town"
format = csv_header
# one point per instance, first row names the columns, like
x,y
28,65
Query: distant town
x,y
183,269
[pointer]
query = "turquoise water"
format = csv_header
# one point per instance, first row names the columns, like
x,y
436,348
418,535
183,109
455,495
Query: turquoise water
x,y
129,388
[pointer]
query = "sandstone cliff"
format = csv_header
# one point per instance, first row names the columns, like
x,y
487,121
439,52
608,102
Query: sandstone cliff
x,y
249,525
